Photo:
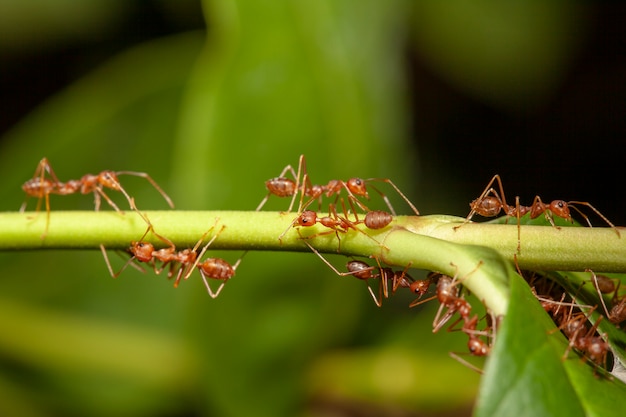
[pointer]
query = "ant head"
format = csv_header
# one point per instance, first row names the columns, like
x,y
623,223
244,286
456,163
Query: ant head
x,y
357,187
420,287
561,209
142,251
109,180
307,218
477,347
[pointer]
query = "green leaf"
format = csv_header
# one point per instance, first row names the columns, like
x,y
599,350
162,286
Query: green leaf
x,y
527,376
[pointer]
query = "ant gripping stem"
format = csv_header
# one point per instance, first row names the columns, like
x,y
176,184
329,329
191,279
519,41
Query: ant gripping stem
x,y
365,272
335,223
215,268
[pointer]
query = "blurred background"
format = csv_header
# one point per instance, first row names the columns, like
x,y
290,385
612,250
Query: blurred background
x,y
214,97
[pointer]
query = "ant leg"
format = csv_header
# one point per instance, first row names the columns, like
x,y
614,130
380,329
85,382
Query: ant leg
x,y
151,181
465,363
539,207
99,192
359,273
519,221
45,231
595,211
204,249
597,287
420,301
271,183
40,187
404,197
209,290
128,262
501,198
300,187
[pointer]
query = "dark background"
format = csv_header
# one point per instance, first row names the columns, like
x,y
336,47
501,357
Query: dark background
x,y
570,147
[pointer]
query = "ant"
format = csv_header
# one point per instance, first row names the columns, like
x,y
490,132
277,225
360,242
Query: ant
x,y
476,345
180,263
375,219
448,297
337,223
282,186
606,285
421,287
286,187
594,348
216,268
41,187
490,204
361,270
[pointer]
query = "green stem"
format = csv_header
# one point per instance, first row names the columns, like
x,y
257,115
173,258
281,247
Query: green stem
x,y
476,253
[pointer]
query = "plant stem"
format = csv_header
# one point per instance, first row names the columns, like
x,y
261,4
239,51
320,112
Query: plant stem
x,y
476,253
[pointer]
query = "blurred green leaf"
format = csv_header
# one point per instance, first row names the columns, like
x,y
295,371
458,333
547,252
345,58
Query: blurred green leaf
x,y
511,54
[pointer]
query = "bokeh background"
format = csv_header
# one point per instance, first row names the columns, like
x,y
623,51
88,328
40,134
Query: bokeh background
x,y
214,97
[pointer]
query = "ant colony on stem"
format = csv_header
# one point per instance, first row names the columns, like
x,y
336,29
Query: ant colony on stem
x,y
354,216
346,214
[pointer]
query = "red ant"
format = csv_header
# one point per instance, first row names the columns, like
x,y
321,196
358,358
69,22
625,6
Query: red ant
x,y
376,219
337,223
448,296
421,287
282,186
216,268
606,285
475,344
285,187
594,348
181,263
363,271
41,187
618,312
490,204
